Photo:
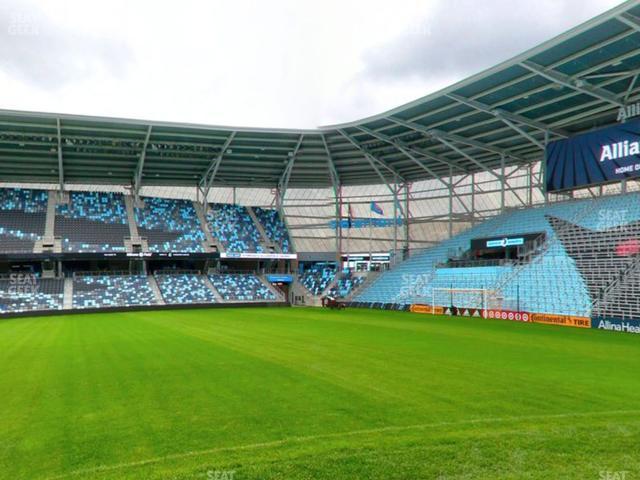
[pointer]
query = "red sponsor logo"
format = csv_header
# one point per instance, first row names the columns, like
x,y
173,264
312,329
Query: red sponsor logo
x,y
507,315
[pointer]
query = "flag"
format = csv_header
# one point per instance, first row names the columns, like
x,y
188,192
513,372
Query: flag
x,y
350,217
375,208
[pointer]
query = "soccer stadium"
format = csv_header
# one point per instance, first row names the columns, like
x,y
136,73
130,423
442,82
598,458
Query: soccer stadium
x,y
448,290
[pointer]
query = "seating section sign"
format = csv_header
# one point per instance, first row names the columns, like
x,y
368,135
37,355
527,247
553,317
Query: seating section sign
x,y
606,155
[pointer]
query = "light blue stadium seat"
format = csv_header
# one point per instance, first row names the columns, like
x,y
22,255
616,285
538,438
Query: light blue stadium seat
x,y
23,214
112,291
184,288
241,287
274,227
92,222
317,277
551,283
234,228
170,225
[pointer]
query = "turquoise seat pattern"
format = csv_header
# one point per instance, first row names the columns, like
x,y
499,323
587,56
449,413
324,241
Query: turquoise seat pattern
x,y
170,225
92,222
23,214
317,277
112,291
347,282
550,283
274,227
186,288
241,287
36,294
234,227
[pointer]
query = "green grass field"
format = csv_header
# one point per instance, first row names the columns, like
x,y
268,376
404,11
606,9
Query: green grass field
x,y
308,393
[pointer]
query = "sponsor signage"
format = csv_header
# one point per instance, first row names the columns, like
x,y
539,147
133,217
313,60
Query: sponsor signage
x,y
67,256
280,278
260,256
507,315
418,308
606,155
628,111
504,242
464,312
616,325
565,320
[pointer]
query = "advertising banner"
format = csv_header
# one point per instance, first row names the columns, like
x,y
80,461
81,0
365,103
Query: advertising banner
x,y
565,320
507,315
606,155
416,308
616,325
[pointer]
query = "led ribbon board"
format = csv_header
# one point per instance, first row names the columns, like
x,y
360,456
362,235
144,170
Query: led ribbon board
x,y
607,155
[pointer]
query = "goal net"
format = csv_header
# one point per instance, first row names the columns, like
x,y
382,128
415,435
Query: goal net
x,y
475,298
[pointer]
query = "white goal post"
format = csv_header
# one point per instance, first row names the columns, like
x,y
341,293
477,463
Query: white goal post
x,y
480,298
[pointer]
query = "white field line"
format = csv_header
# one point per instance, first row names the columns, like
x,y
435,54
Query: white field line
x,y
305,438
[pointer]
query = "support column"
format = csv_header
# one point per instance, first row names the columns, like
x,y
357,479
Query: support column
x,y
450,202
338,199
473,199
502,183
407,233
530,189
543,169
395,219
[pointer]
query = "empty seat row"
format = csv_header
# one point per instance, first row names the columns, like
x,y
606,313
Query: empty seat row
x,y
92,222
241,287
112,291
184,288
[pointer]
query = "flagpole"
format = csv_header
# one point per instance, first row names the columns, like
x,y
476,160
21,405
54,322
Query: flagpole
x,y
370,235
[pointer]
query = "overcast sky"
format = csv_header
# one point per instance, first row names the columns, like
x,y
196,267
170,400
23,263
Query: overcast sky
x,y
259,63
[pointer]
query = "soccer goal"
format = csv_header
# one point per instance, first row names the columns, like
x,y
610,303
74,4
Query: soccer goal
x,y
479,298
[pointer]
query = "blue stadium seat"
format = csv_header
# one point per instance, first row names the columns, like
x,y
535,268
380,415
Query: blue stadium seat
x,y
92,222
241,287
274,227
170,225
31,294
184,288
23,214
346,283
112,291
550,283
234,228
317,277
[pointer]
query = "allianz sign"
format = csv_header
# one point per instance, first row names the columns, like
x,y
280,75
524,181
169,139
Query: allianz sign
x,y
616,325
628,111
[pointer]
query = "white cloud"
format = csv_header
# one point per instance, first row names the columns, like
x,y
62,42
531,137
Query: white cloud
x,y
249,62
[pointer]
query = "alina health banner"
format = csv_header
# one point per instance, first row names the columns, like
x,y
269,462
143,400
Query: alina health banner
x,y
606,155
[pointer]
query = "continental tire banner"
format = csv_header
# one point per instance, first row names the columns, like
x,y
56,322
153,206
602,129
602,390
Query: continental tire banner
x,y
416,308
564,320
605,155
507,315
616,325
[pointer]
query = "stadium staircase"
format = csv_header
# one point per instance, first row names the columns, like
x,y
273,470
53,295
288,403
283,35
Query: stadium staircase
x,y
573,272
156,290
275,290
367,278
210,286
267,244
68,294
49,243
134,237
211,244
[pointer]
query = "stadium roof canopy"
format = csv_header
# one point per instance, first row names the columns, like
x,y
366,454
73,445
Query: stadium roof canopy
x,y
572,83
